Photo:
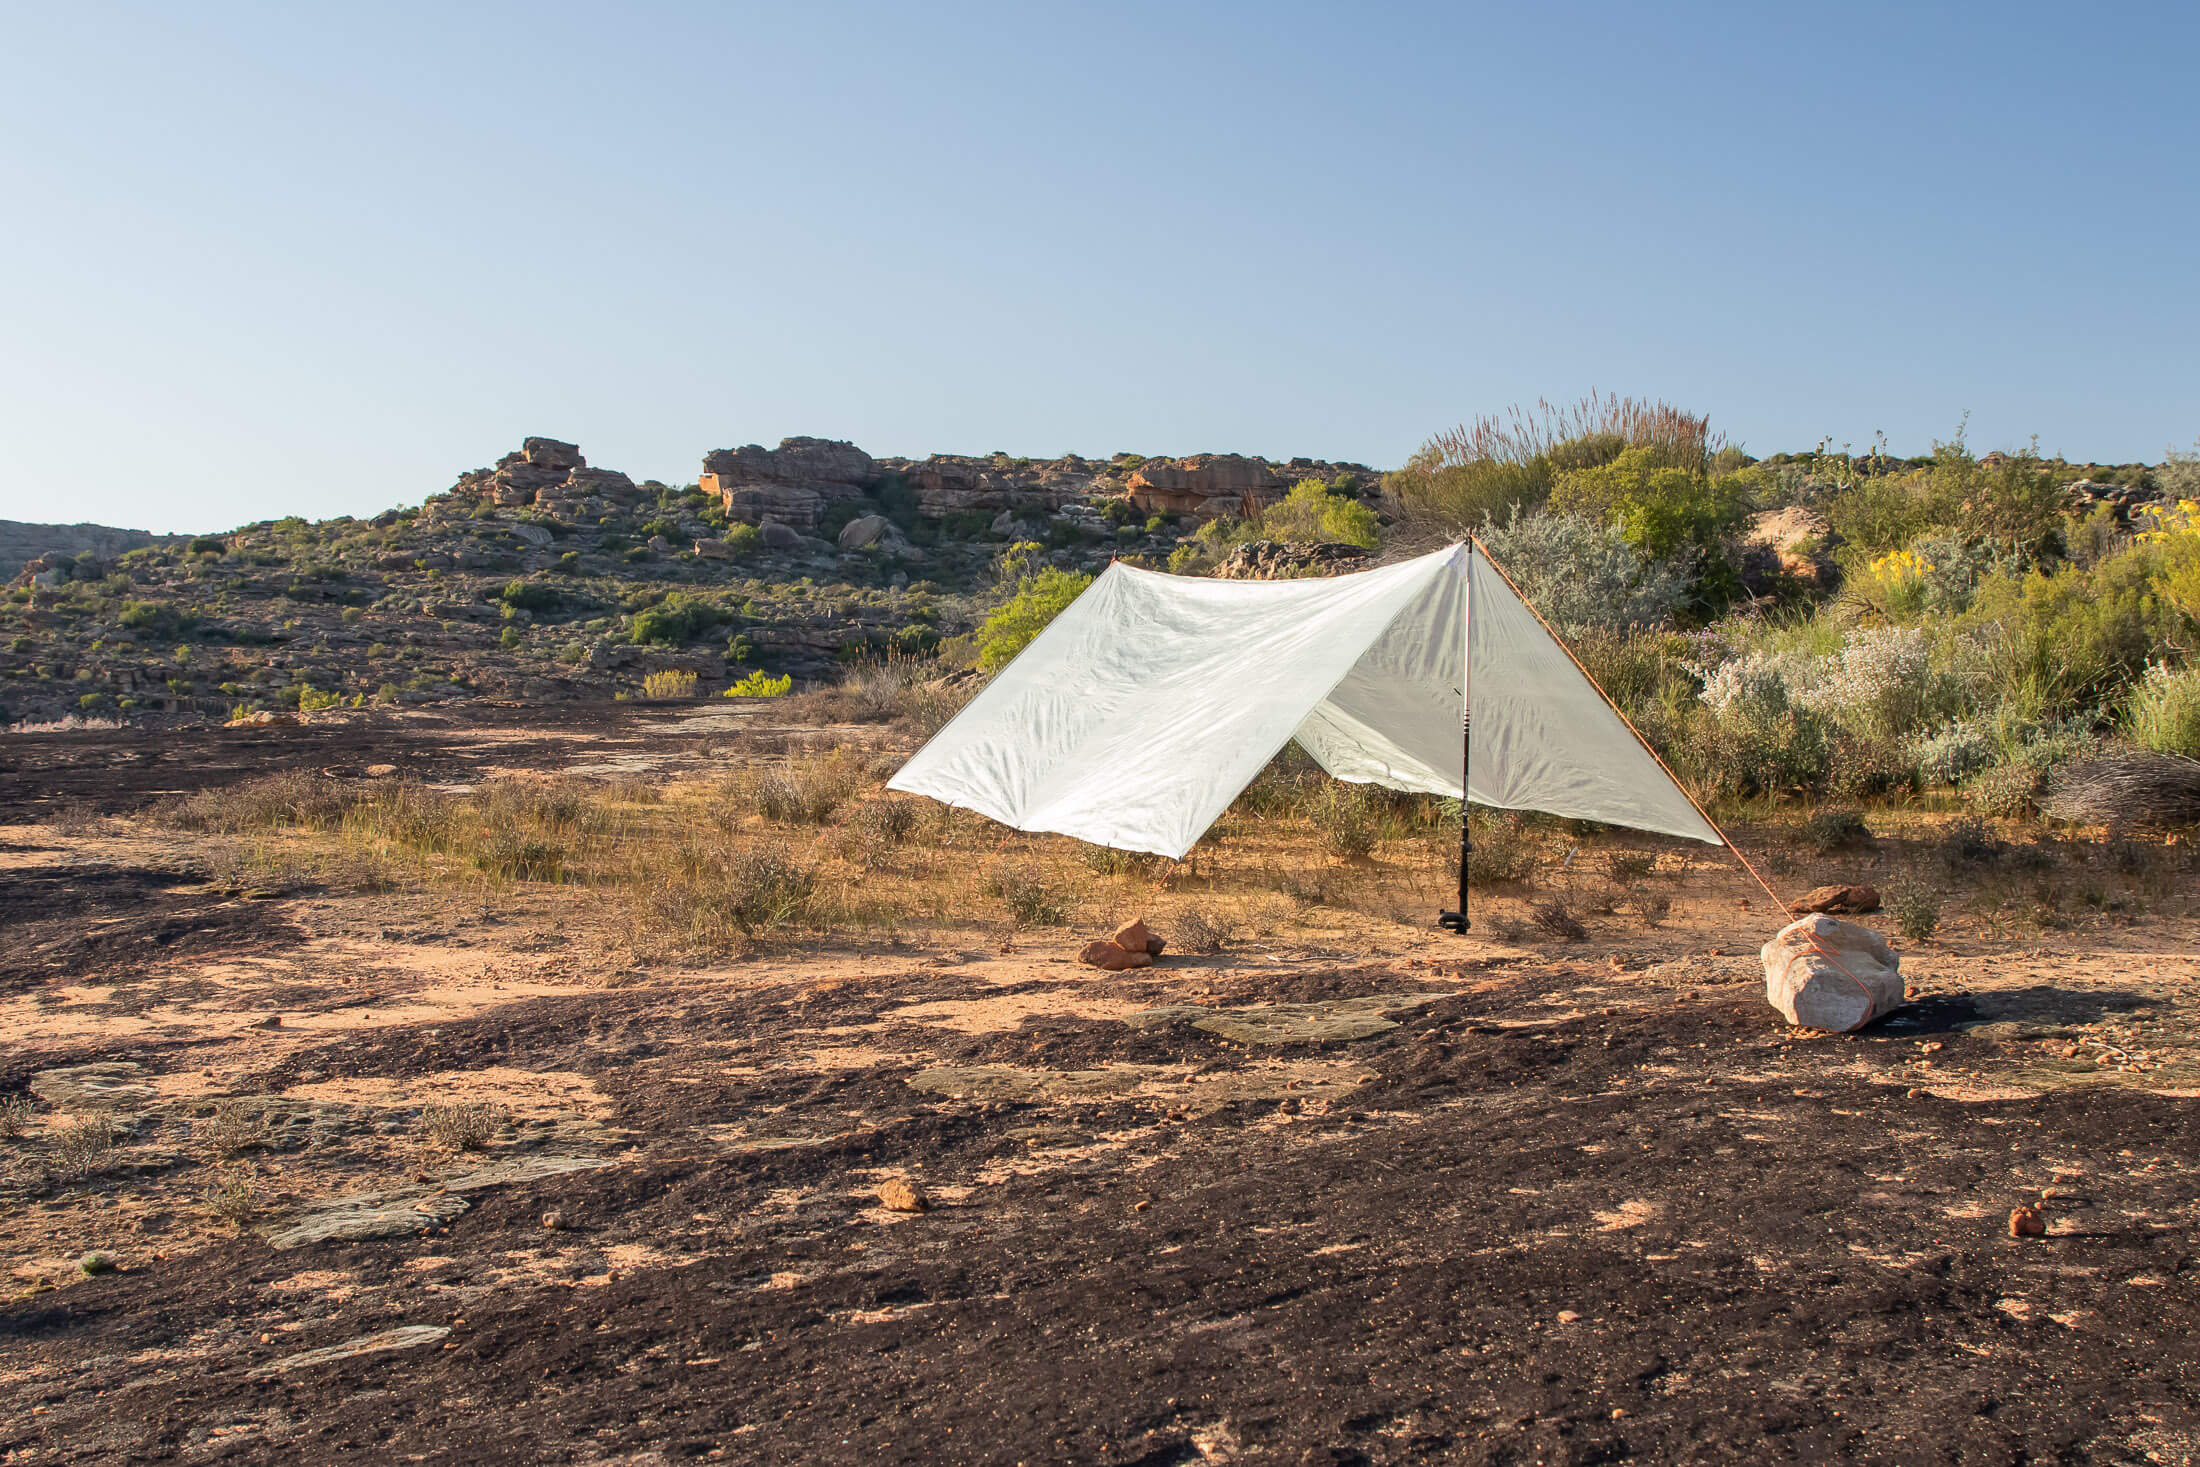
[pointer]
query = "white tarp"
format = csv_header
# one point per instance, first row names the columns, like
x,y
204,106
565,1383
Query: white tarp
x,y
1138,715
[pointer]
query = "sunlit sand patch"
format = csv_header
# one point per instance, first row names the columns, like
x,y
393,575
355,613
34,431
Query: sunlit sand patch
x,y
527,1094
1008,1011
328,1283
1629,1214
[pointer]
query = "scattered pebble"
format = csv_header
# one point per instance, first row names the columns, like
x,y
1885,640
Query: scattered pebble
x,y
1567,1316
2026,1222
95,1263
554,1220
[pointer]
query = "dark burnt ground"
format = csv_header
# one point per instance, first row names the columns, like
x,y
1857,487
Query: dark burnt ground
x,y
120,771
87,923
1658,1231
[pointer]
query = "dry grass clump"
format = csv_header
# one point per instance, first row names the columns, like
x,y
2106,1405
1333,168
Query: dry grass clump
x,y
1557,919
714,894
1108,861
1197,930
464,1125
804,791
296,798
633,789
2132,790
231,1197
1505,850
1030,898
233,1127
1969,842
85,1145
15,1114
874,831
915,692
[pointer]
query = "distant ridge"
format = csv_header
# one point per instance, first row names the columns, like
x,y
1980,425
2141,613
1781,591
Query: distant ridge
x,y
21,540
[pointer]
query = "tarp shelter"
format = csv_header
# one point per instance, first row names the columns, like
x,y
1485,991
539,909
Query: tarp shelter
x,y
1138,714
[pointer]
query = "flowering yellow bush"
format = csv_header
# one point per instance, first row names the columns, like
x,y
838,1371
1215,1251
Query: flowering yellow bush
x,y
2180,520
1900,565
761,684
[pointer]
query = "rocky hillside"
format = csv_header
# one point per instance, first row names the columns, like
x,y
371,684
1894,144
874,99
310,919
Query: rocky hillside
x,y
542,577
21,540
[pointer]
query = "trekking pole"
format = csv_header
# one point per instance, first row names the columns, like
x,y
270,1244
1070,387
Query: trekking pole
x,y
1457,921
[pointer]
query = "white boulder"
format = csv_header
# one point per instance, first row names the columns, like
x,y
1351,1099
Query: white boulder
x,y
1822,973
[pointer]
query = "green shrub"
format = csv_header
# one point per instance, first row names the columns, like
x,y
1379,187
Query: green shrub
x,y
2004,791
1505,850
1836,830
2162,710
209,545
1348,821
1915,909
1038,600
156,619
678,619
531,596
1661,510
1582,576
1312,512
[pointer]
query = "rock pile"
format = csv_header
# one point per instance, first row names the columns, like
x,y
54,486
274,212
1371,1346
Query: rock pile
x,y
2123,500
1132,946
552,476
1282,560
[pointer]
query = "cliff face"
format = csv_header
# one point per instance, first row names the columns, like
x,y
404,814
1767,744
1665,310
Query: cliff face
x,y
21,540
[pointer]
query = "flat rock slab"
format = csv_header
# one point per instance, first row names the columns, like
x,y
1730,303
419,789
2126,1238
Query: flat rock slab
x,y
1008,1082
109,1085
404,1337
520,1169
394,1214
1326,1021
373,1215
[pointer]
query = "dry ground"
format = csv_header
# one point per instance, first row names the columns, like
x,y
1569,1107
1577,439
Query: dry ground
x,y
432,1166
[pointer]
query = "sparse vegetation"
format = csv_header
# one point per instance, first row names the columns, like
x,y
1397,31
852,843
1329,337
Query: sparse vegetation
x,y
669,683
462,1125
1915,908
1031,900
85,1145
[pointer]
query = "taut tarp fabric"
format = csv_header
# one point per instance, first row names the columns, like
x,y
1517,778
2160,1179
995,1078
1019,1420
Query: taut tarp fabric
x,y
1138,715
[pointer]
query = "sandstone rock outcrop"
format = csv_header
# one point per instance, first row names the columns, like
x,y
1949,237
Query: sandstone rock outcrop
x,y
791,483
1794,542
1204,485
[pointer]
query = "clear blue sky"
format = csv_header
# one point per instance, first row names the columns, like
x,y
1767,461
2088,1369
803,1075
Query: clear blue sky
x,y
281,258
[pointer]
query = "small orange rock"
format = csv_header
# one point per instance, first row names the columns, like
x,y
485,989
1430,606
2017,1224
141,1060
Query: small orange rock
x,y
898,1195
2026,1222
1105,954
1135,936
